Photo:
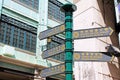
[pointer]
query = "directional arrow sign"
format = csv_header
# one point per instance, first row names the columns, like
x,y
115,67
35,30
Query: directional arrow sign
x,y
79,56
93,56
52,31
53,51
91,33
78,34
59,69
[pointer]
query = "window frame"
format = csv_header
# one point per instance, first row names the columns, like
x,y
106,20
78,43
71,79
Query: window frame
x,y
16,35
54,12
27,5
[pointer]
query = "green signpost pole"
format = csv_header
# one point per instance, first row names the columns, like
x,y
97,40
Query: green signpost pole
x,y
68,9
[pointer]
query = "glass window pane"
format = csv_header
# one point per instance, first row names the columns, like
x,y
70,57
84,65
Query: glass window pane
x,y
31,3
13,34
54,10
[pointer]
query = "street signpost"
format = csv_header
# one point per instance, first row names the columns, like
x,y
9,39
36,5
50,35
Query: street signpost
x,y
92,33
68,9
54,70
67,48
52,31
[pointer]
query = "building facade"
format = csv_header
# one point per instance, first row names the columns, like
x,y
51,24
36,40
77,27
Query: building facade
x,y
21,21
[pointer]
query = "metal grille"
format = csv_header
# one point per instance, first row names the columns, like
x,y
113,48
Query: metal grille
x,y
54,10
15,33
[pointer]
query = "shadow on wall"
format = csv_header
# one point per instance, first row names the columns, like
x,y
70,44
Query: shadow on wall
x,y
114,68
119,63
108,13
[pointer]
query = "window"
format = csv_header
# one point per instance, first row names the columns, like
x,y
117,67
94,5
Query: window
x,y
54,10
18,34
56,41
34,4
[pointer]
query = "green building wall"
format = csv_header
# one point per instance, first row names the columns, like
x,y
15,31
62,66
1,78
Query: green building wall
x,y
38,19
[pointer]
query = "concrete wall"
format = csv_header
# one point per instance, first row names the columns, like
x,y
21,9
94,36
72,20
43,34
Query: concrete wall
x,y
94,14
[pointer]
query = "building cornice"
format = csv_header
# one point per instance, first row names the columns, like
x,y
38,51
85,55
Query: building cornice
x,y
20,63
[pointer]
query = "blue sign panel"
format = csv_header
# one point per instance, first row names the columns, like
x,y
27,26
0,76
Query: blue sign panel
x,y
59,69
52,31
53,51
91,33
93,56
78,34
